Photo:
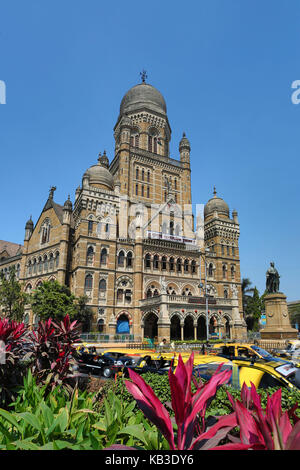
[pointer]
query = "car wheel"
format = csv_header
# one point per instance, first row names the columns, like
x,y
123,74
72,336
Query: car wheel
x,y
107,372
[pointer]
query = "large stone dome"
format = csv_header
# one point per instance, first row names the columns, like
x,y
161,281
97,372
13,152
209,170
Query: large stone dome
x,y
142,96
99,174
216,204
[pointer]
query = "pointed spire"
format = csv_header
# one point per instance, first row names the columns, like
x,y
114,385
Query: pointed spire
x,y
51,192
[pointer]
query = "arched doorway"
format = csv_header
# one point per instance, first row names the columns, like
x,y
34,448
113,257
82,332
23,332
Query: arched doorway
x,y
188,329
227,327
123,324
213,325
201,328
150,326
100,325
175,329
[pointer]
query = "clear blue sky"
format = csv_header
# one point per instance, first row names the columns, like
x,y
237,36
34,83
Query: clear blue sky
x,y
225,68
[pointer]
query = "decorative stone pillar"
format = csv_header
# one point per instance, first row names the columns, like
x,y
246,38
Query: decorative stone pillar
x,y
163,324
277,318
238,328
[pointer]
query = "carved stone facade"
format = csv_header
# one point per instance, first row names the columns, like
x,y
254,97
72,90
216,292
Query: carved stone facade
x,y
129,244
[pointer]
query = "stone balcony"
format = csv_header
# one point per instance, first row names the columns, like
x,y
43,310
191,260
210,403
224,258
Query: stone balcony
x,y
188,300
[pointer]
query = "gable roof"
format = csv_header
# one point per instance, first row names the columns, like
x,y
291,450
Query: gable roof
x,y
9,249
58,209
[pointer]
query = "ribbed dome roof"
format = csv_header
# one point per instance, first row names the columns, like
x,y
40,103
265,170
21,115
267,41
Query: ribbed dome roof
x,y
68,204
29,224
141,96
99,174
216,204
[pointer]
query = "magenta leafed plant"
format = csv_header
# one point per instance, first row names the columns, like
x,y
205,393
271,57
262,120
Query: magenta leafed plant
x,y
259,429
53,348
12,333
269,429
13,337
189,408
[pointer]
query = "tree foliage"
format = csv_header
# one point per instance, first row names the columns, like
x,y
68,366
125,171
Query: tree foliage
x,y
12,296
53,300
253,310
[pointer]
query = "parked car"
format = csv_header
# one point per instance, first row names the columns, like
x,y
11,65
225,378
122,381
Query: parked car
x,y
244,351
155,364
261,374
95,364
291,352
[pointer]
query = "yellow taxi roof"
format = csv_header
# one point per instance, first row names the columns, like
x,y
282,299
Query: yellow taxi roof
x,y
130,352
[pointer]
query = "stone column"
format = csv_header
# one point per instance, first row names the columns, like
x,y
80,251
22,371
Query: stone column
x,y
195,331
182,330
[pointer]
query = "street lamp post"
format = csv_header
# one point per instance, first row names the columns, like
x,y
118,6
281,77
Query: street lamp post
x,y
205,288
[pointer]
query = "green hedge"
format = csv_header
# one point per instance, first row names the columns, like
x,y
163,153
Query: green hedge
x,y
220,404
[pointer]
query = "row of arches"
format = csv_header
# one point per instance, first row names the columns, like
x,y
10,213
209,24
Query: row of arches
x,y
30,285
43,263
153,289
166,263
185,329
124,259
5,271
211,269
153,139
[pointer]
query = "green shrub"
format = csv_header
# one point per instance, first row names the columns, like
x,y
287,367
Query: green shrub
x,y
220,404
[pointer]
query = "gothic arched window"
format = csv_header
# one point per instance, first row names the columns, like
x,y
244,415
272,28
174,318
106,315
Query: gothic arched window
x,y
155,262
121,258
45,263
90,256
103,256
186,265
102,288
88,282
148,260
129,260
179,264
193,265
45,231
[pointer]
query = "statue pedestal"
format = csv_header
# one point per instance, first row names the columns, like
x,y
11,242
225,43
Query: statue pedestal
x,y
277,318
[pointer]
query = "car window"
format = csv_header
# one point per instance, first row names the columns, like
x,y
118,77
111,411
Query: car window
x,y
227,350
243,352
207,370
264,354
268,380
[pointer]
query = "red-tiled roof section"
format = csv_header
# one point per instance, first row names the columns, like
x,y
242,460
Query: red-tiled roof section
x,y
12,249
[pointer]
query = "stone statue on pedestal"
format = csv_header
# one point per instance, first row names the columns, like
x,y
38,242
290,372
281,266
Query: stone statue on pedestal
x,y
272,280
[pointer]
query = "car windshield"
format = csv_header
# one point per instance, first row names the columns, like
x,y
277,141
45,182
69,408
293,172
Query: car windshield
x,y
264,354
292,374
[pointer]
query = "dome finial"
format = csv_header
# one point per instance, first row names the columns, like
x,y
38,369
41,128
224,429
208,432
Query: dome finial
x,y
215,192
143,75
103,159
